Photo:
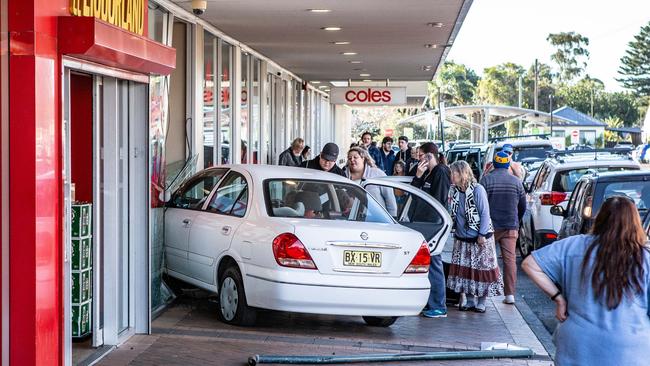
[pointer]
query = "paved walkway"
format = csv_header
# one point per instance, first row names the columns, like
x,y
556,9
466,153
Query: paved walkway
x,y
189,333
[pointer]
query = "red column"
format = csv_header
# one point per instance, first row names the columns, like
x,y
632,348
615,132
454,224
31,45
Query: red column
x,y
35,184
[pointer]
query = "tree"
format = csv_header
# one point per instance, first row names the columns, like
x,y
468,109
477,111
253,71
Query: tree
x,y
456,83
635,66
582,96
545,87
571,55
612,123
500,84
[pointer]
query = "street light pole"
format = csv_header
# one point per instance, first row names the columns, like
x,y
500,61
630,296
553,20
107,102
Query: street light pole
x,y
550,99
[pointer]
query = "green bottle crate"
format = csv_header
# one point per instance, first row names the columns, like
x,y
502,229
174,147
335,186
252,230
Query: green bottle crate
x,y
81,319
81,220
81,287
82,254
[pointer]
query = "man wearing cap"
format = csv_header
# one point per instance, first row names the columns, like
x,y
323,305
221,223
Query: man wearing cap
x,y
507,206
515,168
326,160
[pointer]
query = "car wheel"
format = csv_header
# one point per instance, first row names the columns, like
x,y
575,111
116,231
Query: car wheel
x,y
233,308
522,243
380,321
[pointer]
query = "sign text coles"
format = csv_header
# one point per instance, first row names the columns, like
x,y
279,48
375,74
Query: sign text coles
x,y
369,96
127,14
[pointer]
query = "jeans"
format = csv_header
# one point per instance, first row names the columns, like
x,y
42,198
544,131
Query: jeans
x,y
437,296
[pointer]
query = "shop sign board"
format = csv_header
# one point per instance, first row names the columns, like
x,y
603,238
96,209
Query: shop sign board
x,y
127,14
368,96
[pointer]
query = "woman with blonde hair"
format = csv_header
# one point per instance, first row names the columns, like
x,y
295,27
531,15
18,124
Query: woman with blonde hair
x,y
600,284
474,272
360,167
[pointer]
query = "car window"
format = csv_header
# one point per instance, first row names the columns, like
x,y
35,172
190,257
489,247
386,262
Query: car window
x,y
193,194
572,201
524,152
323,200
637,190
541,177
231,197
566,180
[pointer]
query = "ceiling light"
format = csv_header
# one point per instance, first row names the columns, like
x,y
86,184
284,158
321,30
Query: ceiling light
x,y
435,24
359,69
322,87
315,82
427,67
348,53
319,10
340,42
355,62
431,45
364,75
367,80
331,28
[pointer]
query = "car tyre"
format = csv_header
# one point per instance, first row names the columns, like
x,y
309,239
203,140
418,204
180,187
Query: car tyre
x,y
522,242
380,321
233,308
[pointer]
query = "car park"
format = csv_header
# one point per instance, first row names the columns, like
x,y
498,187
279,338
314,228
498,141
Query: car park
x,y
592,190
302,240
553,184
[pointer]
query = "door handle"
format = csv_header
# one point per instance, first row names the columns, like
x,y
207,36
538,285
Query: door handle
x,y
226,230
186,223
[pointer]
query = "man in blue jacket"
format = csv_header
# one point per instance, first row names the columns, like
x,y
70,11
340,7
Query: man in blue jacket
x,y
387,155
507,206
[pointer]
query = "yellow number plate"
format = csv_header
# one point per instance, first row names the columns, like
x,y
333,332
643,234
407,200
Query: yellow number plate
x,y
360,258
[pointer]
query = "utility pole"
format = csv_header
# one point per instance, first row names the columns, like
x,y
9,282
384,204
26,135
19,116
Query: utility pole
x,y
536,87
550,100
592,99
521,82
441,121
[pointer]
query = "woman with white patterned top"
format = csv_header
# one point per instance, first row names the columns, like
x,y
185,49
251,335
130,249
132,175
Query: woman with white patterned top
x,y
474,272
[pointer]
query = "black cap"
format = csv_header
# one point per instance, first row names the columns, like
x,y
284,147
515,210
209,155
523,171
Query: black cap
x,y
330,152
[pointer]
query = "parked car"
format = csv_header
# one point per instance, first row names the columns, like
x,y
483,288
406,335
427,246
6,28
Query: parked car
x,y
525,148
301,240
553,184
592,190
473,154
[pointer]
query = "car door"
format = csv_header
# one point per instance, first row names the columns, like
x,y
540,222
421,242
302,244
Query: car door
x,y
214,226
419,211
181,210
572,211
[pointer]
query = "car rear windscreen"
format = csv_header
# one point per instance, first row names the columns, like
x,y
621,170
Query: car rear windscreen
x,y
323,200
524,152
637,190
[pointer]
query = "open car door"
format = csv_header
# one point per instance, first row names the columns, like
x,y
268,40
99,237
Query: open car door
x,y
417,210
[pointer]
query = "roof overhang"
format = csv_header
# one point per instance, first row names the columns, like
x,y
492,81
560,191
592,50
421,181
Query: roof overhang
x,y
91,39
388,37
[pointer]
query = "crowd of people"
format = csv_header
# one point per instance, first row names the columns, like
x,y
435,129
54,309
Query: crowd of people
x,y
600,282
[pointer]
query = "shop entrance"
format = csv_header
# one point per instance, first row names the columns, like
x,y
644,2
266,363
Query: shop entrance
x,y
106,263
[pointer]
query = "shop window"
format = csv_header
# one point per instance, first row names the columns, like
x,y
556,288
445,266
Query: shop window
x,y
243,121
226,113
157,20
255,113
209,99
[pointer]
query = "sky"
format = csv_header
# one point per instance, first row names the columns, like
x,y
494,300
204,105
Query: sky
x,y
498,31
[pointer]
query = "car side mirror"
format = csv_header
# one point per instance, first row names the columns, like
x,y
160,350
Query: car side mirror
x,y
165,196
526,186
558,210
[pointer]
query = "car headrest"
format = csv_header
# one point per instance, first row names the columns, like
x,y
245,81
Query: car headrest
x,y
310,199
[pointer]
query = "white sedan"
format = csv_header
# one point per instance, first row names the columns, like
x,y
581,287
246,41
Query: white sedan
x,y
301,240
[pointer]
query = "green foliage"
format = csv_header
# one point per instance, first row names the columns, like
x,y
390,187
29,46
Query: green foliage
x,y
544,83
599,142
613,123
500,84
456,84
635,67
571,54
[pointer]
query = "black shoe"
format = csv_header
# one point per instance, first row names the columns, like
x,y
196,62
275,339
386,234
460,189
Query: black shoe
x,y
478,310
466,308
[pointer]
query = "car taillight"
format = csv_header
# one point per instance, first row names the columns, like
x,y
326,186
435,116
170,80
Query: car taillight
x,y
550,236
552,198
289,251
421,261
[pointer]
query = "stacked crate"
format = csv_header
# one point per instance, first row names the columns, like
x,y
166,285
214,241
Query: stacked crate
x,y
82,279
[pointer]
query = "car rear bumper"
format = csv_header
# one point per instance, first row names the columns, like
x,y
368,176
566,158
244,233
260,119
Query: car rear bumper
x,y
332,299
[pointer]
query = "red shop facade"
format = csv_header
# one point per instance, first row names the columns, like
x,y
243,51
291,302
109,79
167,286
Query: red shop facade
x,y
82,92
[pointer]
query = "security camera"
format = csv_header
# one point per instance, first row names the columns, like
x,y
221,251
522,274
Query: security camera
x,y
199,6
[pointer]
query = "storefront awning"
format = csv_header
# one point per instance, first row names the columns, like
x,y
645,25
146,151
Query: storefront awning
x,y
93,40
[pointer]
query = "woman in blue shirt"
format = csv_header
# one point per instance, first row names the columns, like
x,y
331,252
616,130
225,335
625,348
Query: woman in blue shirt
x,y
600,284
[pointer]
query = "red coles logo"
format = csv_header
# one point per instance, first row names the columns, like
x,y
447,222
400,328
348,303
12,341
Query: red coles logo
x,y
368,96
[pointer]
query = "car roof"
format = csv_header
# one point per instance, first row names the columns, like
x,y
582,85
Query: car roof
x,y
588,159
527,142
620,176
263,171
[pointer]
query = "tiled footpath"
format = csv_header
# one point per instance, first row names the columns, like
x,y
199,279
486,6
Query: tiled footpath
x,y
189,333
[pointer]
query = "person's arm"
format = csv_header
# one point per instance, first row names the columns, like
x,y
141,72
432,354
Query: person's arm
x,y
418,176
521,207
483,207
544,282
440,187
283,159
389,198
